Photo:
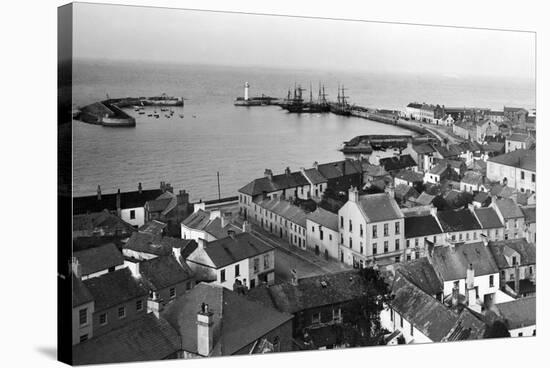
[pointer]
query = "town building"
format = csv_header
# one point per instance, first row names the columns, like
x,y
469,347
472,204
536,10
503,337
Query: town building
x,y
511,216
169,208
96,261
516,169
322,233
142,246
426,113
408,177
473,181
530,220
101,224
496,117
395,164
405,195
239,257
475,130
423,155
520,316
420,232
82,311
516,115
281,218
491,225
214,321
460,225
517,141
208,225
317,182
443,170
129,206
371,227
516,260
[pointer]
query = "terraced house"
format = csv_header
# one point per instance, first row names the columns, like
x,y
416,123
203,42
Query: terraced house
x,y
371,228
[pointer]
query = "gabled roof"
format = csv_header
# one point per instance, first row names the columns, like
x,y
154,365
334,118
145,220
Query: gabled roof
x,y
164,271
229,250
238,321
314,176
451,264
423,148
114,288
530,214
404,191
472,178
277,182
488,218
158,245
519,313
333,170
312,292
508,208
373,170
146,338
100,258
518,137
424,199
481,197
215,228
521,158
324,218
527,252
417,226
421,273
81,295
445,152
285,209
101,220
397,162
133,199
410,176
197,220
439,168
153,227
414,105
379,207
458,220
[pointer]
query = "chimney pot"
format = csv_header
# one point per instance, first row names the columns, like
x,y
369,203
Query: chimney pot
x,y
99,193
139,188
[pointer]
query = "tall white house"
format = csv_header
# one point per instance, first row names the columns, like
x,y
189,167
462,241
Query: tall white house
x,y
516,169
371,228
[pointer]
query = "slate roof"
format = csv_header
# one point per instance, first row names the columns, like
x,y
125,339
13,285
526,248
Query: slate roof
x,y
481,197
424,198
229,250
310,293
404,191
424,148
100,258
81,295
215,228
397,163
159,245
439,168
238,321
530,214
379,207
325,218
452,264
284,209
517,137
472,178
457,220
133,199
519,313
158,205
410,176
114,288
164,271
421,273
373,170
508,208
502,191
278,182
153,227
488,218
101,220
415,105
314,176
146,338
527,252
429,316
445,152
197,220
418,226
337,169
491,147
521,158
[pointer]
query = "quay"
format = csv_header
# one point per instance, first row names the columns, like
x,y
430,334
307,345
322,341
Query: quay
x,y
366,144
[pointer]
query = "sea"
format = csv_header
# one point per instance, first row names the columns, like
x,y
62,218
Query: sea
x,y
239,143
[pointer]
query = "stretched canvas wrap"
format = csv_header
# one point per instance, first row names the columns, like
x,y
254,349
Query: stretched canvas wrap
x,y
235,184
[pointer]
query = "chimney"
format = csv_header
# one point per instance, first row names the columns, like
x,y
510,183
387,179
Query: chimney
x,y
315,165
433,211
246,227
99,193
353,195
516,278
390,189
162,186
287,171
176,251
225,219
454,296
294,280
75,268
133,266
139,188
231,233
485,240
169,188
183,197
205,330
155,303
118,209
470,273
268,174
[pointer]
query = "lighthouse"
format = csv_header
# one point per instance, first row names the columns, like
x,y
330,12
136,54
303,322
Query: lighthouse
x,y
246,86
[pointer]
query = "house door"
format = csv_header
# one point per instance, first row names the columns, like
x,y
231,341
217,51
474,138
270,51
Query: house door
x,y
280,232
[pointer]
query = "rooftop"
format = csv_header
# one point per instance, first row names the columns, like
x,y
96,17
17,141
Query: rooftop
x,y
285,209
314,176
158,245
379,207
421,273
133,199
472,178
458,220
508,208
101,221
410,176
451,264
238,321
164,271
521,158
530,214
526,251
325,218
519,313
397,163
100,258
488,218
424,199
277,182
420,226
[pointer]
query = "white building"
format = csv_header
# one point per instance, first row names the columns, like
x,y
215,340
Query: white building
x,y
371,227
420,231
322,233
517,141
238,258
491,225
516,169
97,261
460,225
519,316
208,225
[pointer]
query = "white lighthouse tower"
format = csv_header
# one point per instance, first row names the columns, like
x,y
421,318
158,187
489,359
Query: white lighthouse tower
x,y
246,87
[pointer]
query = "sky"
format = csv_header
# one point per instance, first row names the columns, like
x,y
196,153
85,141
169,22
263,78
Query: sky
x,y
194,37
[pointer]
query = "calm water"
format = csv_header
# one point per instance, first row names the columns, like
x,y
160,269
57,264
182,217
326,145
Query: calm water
x,y
240,142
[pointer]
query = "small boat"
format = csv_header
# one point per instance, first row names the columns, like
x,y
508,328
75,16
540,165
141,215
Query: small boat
x,y
142,112
149,115
181,116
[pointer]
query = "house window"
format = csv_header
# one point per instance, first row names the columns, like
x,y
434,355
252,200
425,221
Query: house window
x,y
316,318
83,316
412,330
237,271
408,243
361,247
467,236
337,315
374,231
397,259
266,261
222,276
514,260
416,242
341,239
342,221
350,243
103,319
516,224
350,226
401,321
83,337
460,236
321,234
386,243
329,237
475,235
361,229
256,264
491,281
533,178
313,229
132,214
397,228
121,312
374,249
530,270
408,257
453,237
391,315
520,334
386,229
523,175
396,244
139,305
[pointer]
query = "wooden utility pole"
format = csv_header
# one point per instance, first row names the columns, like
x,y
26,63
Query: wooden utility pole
x,y
219,191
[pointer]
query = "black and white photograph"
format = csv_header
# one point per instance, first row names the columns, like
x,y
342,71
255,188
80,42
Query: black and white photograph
x,y
249,182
